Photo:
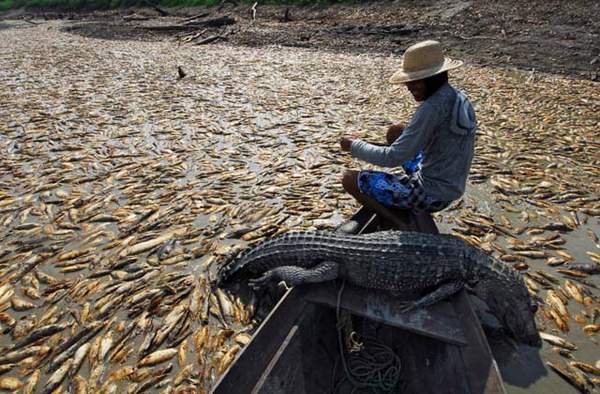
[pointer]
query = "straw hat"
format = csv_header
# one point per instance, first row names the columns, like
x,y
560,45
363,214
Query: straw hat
x,y
423,60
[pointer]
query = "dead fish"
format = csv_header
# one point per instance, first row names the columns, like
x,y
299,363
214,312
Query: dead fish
x,y
45,278
531,284
590,269
66,349
165,249
95,379
32,382
39,333
554,261
23,327
227,359
574,291
572,273
200,339
122,355
557,341
521,266
556,302
10,383
548,277
558,226
563,352
78,358
105,345
532,254
72,254
565,255
243,339
6,368
6,293
538,279
120,374
109,388
570,377
18,355
79,385
225,305
510,258
181,354
147,245
182,375
31,293
585,367
591,328
157,357
560,321
57,377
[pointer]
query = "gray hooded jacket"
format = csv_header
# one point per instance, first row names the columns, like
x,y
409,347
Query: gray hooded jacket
x,y
443,127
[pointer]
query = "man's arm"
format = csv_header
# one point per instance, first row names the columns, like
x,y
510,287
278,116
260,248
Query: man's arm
x,y
412,140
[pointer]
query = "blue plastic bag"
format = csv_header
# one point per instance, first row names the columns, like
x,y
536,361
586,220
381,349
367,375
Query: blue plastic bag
x,y
413,165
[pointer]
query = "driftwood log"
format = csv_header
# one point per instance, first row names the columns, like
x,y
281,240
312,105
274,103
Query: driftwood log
x,y
215,22
191,18
135,18
399,30
209,39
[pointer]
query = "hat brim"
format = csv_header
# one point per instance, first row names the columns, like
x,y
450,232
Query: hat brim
x,y
402,76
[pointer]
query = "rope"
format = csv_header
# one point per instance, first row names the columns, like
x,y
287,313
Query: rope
x,y
373,366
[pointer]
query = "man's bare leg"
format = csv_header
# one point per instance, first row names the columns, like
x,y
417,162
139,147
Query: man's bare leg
x,y
350,183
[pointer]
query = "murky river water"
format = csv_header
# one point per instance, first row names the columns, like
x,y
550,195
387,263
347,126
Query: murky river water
x,y
107,158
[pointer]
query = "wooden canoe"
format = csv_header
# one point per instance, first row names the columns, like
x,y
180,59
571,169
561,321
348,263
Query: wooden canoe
x,y
294,351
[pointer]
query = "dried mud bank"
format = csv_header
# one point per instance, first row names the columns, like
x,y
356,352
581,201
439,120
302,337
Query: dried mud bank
x,y
537,36
122,188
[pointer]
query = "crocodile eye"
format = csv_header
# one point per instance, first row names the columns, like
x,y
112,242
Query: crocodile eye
x,y
533,306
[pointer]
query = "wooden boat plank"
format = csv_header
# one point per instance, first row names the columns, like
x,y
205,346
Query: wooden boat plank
x,y
484,375
427,365
281,375
251,361
437,321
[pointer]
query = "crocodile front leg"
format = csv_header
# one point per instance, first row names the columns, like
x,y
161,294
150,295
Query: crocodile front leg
x,y
292,275
442,292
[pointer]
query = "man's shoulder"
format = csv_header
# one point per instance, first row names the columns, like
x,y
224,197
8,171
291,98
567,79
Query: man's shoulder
x,y
441,100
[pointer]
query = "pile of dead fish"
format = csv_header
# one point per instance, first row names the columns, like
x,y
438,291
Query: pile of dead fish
x,y
122,189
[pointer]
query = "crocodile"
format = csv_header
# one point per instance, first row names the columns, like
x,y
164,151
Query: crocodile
x,y
436,265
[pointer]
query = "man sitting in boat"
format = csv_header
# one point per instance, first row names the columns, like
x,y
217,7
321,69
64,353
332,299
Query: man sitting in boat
x,y
435,149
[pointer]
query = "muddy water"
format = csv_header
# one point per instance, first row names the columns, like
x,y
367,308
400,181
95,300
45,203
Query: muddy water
x,y
94,130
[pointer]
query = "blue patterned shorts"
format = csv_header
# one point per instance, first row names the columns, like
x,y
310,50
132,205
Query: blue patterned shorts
x,y
404,191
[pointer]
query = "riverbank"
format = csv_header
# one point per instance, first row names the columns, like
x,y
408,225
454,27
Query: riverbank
x,y
508,34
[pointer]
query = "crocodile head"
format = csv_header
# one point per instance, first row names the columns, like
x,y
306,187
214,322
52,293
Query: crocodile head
x,y
509,301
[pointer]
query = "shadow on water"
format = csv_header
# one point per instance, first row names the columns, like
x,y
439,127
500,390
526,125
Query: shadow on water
x,y
520,365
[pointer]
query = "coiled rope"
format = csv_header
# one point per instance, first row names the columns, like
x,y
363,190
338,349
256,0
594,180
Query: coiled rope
x,y
372,366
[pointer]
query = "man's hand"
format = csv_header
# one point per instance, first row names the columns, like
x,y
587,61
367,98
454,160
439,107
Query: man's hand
x,y
346,142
